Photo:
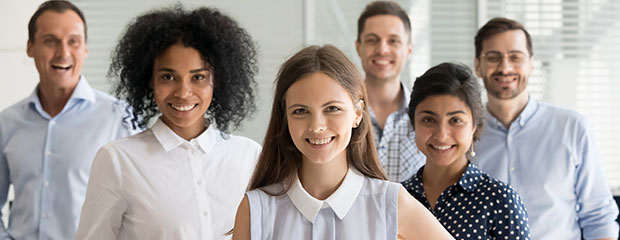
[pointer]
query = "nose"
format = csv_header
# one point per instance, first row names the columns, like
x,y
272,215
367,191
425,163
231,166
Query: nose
x,y
384,48
317,124
504,66
183,89
62,49
441,132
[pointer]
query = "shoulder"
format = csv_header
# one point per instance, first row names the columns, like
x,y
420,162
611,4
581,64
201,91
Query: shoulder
x,y
131,144
237,145
559,114
501,194
15,111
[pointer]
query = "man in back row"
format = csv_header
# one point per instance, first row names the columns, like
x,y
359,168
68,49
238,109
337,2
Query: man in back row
x,y
384,45
48,140
546,153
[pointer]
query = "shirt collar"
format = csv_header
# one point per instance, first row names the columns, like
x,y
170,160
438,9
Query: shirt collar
x,y
340,201
170,140
468,181
82,91
522,119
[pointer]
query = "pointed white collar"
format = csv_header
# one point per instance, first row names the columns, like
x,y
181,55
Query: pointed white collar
x,y
170,140
340,201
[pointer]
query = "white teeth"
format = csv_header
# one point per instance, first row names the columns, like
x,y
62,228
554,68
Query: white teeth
x,y
382,62
62,65
446,147
319,141
183,108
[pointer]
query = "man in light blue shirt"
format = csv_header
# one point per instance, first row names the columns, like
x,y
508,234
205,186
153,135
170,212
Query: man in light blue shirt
x,y
48,140
384,45
547,154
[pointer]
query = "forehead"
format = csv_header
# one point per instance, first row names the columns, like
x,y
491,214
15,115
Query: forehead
x,y
511,40
442,104
57,23
384,25
179,56
316,88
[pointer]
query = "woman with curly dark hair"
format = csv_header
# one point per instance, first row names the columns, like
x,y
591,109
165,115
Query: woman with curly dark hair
x,y
184,177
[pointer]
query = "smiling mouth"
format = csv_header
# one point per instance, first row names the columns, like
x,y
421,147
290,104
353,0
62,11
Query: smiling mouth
x,y
62,66
322,141
382,62
183,108
442,147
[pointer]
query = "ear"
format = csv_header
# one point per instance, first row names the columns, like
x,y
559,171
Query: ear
x,y
359,113
409,49
28,48
477,67
357,48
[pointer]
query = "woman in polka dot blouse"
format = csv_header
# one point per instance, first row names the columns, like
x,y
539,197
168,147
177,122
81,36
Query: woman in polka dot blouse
x,y
446,113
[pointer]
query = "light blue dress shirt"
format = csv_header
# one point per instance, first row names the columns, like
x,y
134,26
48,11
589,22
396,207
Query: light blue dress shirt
x,y
549,156
48,160
362,208
398,154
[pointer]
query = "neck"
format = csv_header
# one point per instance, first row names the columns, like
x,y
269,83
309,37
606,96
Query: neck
x,y
507,110
383,92
322,180
441,177
53,98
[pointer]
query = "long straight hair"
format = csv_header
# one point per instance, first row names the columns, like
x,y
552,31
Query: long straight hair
x,y
280,160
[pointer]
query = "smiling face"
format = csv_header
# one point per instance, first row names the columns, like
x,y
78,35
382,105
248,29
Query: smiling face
x,y
320,115
58,49
443,130
183,87
506,76
384,47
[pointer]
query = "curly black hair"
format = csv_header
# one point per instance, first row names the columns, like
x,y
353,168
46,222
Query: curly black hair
x,y
221,42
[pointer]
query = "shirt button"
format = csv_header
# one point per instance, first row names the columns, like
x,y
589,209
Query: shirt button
x,y
204,213
199,182
52,122
509,138
44,215
46,183
48,153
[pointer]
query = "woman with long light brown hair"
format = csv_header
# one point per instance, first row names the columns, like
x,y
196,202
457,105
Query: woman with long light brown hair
x,y
318,176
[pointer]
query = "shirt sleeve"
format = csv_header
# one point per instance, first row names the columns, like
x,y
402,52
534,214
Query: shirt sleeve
x,y
5,182
511,220
104,205
596,208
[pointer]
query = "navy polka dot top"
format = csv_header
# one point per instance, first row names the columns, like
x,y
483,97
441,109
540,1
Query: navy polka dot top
x,y
476,207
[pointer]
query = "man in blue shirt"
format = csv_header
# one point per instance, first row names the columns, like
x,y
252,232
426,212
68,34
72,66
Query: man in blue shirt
x,y
547,154
49,139
384,45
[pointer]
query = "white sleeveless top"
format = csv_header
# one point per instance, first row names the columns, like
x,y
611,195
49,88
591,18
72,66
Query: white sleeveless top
x,y
361,208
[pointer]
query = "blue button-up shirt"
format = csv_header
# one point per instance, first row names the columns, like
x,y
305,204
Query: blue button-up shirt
x,y
48,159
398,154
549,156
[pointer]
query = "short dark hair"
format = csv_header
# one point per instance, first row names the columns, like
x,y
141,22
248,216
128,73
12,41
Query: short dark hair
x,y
383,8
449,79
221,42
496,26
59,6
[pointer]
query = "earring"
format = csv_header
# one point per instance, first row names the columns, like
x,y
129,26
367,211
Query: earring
x,y
417,151
472,153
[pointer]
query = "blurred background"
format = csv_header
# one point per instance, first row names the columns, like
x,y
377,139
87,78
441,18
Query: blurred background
x,y
576,47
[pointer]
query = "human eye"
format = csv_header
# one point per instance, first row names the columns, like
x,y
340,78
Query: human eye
x,y
332,109
49,41
167,77
299,111
516,57
199,77
394,41
456,120
370,40
493,57
427,119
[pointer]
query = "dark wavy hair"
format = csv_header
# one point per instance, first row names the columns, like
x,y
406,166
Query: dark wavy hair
x,y
449,79
280,159
221,42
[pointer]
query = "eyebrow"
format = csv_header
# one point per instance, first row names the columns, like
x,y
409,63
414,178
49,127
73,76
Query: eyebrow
x,y
191,71
449,113
511,51
324,105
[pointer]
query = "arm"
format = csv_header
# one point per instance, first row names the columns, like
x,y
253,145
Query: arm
x,y
5,182
415,221
512,222
596,208
105,205
242,220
